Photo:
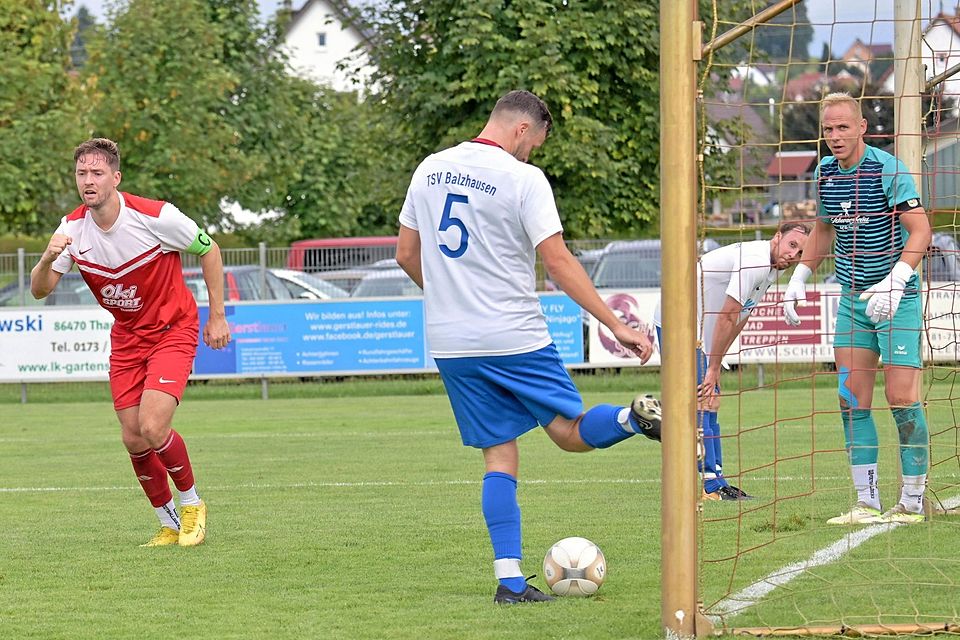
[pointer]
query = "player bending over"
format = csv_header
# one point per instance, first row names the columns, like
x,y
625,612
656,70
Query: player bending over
x,y
731,281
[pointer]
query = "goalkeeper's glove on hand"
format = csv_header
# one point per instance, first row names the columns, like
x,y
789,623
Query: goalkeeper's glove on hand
x,y
796,293
885,295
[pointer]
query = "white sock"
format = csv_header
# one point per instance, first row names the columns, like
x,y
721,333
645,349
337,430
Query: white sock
x,y
189,497
168,516
911,496
623,418
507,568
865,482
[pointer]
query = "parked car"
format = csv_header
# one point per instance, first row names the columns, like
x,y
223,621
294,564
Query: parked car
x,y
71,290
346,279
386,283
633,264
239,283
307,286
942,262
322,254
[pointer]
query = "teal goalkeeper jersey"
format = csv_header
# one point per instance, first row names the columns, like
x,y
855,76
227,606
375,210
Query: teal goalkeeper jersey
x,y
863,204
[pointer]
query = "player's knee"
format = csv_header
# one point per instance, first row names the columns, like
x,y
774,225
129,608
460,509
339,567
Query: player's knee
x,y
901,397
566,435
845,396
154,432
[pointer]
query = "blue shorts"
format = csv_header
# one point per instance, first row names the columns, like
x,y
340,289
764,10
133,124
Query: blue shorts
x,y
497,399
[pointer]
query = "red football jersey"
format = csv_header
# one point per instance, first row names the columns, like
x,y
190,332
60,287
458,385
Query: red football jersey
x,y
134,267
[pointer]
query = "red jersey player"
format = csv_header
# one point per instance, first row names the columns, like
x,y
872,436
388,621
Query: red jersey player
x,y
127,250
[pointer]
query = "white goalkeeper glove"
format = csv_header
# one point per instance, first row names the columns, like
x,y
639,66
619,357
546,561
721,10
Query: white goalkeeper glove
x,y
796,293
885,295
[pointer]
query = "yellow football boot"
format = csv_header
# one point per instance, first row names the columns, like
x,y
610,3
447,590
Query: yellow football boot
x,y
166,536
193,524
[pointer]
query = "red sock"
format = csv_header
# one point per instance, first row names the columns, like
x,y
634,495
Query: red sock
x,y
174,456
152,476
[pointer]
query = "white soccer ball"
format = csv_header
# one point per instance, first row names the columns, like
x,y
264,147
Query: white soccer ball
x,y
574,567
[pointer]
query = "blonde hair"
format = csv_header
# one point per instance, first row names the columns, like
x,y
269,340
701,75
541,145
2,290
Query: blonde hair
x,y
841,97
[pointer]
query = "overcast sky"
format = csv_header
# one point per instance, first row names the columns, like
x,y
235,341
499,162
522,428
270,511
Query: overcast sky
x,y
837,22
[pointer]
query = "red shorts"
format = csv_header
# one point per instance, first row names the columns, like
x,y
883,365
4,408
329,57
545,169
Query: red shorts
x,y
163,365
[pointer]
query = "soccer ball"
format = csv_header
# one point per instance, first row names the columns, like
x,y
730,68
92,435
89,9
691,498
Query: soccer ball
x,y
574,567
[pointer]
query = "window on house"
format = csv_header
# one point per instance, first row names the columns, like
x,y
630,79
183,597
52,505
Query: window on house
x,y
321,39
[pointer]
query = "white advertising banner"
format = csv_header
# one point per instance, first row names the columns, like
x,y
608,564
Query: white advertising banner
x,y
766,338
634,307
45,344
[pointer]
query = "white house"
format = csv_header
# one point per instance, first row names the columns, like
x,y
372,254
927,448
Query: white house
x,y
319,36
940,49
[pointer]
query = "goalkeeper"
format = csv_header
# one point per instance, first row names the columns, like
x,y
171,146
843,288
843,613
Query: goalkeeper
x,y
868,202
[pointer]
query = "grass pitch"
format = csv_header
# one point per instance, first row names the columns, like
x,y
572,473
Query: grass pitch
x,y
359,517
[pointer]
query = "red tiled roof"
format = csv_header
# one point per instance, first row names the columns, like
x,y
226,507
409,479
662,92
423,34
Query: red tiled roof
x,y
791,164
803,85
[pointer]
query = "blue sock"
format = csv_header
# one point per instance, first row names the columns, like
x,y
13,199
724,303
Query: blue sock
x,y
717,445
600,428
712,480
517,585
502,514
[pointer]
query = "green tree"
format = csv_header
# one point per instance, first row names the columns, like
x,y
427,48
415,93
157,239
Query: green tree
x,y
196,94
441,65
788,36
343,177
85,22
156,83
268,109
40,117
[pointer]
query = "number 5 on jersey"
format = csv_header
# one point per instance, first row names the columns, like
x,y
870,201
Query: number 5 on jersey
x,y
447,221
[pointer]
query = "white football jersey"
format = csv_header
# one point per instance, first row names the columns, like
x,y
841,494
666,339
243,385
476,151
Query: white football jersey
x,y
480,214
741,271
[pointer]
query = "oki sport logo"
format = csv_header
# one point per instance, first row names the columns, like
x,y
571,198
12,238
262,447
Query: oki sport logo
x,y
118,297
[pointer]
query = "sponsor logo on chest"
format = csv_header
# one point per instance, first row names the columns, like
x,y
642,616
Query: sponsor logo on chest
x,y
119,297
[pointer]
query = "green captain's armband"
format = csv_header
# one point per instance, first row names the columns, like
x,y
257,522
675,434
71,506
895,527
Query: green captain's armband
x,y
201,244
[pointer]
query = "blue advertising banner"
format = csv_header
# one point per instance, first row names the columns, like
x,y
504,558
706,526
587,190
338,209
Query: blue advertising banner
x,y
350,336
566,324
381,335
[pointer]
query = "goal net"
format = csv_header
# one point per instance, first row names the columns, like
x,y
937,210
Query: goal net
x,y
773,565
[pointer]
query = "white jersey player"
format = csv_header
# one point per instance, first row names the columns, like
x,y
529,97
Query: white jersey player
x,y
474,218
731,281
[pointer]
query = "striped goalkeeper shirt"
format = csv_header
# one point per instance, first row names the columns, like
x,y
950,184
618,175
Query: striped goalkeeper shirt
x,y
863,204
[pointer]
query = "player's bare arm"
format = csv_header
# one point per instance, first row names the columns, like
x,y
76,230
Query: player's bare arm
x,y
568,273
408,254
917,224
43,279
216,333
728,326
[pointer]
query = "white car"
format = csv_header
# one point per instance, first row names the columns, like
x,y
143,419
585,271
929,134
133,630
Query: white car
x,y
305,286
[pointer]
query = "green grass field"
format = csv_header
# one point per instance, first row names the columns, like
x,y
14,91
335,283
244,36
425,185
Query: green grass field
x,y
355,513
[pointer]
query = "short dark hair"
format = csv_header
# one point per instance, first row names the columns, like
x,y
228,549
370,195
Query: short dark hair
x,y
104,147
787,227
524,102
